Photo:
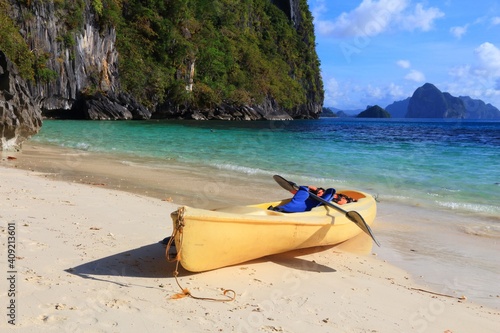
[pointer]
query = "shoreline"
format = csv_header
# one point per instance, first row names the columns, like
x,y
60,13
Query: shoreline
x,y
198,188
404,245
101,269
185,187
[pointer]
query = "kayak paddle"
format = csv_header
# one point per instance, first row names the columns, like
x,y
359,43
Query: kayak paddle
x,y
351,215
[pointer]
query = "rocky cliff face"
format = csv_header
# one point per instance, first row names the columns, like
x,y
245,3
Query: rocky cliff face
x,y
429,102
86,78
474,108
269,108
398,109
291,8
82,62
477,109
20,117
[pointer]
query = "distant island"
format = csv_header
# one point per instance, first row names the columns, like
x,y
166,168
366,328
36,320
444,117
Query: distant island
x,y
338,113
374,112
426,102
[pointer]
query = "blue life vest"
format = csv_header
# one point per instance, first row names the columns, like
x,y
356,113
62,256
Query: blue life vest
x,y
301,202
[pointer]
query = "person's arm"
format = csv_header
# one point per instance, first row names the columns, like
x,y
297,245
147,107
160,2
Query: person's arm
x,y
319,191
302,194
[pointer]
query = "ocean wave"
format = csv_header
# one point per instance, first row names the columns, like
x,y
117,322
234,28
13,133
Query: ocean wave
x,y
435,174
395,198
151,164
62,143
240,169
490,231
471,207
325,181
451,190
130,163
82,146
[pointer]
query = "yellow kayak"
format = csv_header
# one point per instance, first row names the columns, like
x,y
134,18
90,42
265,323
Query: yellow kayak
x,y
210,239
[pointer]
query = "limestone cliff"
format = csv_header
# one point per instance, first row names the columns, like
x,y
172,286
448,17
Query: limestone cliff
x,y
474,108
20,118
429,102
398,109
477,109
83,76
82,62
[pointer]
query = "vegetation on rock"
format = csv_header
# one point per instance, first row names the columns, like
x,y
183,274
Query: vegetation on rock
x,y
232,51
374,112
13,44
196,53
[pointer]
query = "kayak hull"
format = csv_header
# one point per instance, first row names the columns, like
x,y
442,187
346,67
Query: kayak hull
x,y
211,239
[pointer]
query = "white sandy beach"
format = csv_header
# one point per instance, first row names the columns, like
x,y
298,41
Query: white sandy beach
x,y
87,259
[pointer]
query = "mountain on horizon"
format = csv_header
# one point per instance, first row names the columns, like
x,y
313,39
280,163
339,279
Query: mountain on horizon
x,y
374,112
429,102
398,109
477,109
341,113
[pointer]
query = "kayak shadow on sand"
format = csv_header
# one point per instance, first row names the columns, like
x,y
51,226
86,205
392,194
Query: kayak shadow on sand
x,y
147,261
289,259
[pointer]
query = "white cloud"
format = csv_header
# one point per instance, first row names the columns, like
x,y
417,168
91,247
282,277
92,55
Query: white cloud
x,y
460,71
495,20
319,8
332,89
375,92
415,75
458,32
369,19
335,94
382,95
481,79
421,18
395,91
403,63
475,88
489,60
374,17
351,96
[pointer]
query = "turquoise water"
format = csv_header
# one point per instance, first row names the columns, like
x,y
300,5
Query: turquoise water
x,y
452,165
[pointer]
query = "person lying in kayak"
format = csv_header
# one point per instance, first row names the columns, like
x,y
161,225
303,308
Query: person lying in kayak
x,y
302,202
342,199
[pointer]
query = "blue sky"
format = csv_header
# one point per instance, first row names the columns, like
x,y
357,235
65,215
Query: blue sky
x,y
380,51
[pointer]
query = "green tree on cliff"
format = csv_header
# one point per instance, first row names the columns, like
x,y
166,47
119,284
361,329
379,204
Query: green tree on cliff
x,y
193,53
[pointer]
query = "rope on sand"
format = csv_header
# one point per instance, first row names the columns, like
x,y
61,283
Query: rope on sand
x,y
185,292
